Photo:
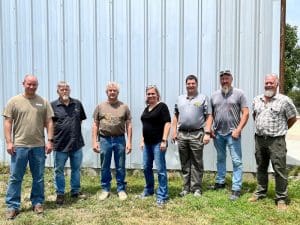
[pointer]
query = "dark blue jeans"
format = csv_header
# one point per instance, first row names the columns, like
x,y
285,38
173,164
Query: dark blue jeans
x,y
108,146
150,153
60,159
36,158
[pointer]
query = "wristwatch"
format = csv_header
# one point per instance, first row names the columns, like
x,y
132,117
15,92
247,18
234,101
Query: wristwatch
x,y
207,132
51,140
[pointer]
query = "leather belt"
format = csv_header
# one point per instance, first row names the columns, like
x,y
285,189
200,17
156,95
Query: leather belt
x,y
112,136
190,130
267,137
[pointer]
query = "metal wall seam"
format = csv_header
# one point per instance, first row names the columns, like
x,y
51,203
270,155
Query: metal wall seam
x,y
146,37
163,50
129,92
80,45
181,44
218,38
237,44
200,43
112,39
63,51
257,44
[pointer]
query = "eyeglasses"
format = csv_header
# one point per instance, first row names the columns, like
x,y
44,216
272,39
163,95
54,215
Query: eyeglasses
x,y
221,73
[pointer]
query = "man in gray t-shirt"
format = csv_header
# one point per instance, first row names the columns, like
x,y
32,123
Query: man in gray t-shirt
x,y
191,112
229,115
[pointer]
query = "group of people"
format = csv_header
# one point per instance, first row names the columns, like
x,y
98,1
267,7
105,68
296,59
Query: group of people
x,y
197,119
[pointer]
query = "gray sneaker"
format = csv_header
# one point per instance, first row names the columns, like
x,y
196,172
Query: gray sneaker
x,y
183,193
197,193
235,195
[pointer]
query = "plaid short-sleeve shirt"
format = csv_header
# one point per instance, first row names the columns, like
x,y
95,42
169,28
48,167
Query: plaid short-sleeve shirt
x,y
271,117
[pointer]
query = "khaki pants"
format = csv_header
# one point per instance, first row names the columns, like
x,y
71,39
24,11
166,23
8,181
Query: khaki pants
x,y
190,146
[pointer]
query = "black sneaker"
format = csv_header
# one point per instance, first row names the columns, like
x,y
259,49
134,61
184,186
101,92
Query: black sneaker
x,y
60,199
217,186
78,195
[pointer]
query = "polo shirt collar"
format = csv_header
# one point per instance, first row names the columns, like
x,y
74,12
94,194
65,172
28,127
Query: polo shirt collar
x,y
59,102
191,97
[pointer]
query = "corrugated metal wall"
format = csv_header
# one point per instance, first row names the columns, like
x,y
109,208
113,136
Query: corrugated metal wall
x,y
137,42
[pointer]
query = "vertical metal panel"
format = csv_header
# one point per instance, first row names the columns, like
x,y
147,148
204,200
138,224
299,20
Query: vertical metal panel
x,y
136,43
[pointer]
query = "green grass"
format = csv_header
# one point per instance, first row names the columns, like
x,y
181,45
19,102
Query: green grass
x,y
212,208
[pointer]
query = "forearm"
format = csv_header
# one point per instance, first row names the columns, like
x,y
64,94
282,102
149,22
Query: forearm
x,y
291,122
49,127
244,119
7,130
166,131
208,123
129,132
95,129
174,125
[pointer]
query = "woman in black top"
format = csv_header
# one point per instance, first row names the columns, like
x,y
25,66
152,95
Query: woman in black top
x,y
156,127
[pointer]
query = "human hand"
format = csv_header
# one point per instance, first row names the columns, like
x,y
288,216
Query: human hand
x,y
49,147
236,133
128,148
206,139
96,147
11,148
142,145
163,146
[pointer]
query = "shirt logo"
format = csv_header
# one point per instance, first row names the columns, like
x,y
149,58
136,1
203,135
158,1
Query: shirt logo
x,y
197,104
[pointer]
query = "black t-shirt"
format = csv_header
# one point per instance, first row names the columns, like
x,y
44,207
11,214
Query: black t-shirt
x,y
67,125
154,122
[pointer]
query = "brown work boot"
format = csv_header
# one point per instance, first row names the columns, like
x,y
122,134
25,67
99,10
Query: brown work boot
x,y
38,208
11,214
281,206
60,199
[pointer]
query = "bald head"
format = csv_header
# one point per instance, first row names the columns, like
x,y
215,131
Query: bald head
x,y
30,85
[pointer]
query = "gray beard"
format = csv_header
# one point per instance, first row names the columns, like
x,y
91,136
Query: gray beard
x,y
65,97
269,93
225,90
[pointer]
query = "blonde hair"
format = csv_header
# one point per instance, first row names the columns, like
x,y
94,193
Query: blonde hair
x,y
155,89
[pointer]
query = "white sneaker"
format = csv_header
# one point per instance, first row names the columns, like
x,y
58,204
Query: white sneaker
x,y
104,195
122,195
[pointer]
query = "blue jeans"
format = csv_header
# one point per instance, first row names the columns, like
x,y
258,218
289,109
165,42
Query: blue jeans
x,y
60,159
150,153
234,147
36,157
116,145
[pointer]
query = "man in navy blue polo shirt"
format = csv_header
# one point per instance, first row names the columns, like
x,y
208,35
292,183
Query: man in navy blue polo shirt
x,y
68,141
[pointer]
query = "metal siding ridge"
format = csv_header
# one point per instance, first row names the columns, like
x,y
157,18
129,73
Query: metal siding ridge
x,y
112,47
80,45
146,42
181,44
163,49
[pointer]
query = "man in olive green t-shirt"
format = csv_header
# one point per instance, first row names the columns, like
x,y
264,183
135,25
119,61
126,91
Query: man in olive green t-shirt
x,y
26,116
